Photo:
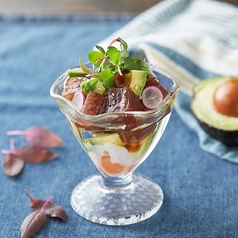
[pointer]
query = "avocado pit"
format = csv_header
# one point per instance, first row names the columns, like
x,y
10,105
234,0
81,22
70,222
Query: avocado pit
x,y
225,98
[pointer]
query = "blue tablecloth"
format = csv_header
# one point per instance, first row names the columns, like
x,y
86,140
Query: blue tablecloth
x,y
200,190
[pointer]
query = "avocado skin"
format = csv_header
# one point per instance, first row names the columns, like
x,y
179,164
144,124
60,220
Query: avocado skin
x,y
228,137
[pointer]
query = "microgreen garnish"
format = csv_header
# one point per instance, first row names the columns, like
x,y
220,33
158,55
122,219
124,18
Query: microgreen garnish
x,y
108,62
87,70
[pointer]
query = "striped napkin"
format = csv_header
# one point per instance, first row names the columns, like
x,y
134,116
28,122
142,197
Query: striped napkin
x,y
191,40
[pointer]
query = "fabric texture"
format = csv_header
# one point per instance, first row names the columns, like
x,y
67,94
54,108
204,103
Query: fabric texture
x,y
200,191
191,40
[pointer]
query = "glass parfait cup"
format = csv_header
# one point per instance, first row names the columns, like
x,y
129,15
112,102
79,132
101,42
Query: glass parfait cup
x,y
117,143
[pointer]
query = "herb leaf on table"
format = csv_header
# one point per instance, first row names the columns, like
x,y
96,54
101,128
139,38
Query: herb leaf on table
x,y
36,152
33,154
12,165
33,222
51,209
38,136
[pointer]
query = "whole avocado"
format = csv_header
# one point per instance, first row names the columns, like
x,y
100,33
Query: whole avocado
x,y
215,106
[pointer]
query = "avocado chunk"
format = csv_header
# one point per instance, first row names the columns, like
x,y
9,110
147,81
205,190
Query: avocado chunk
x,y
99,88
221,127
76,72
103,138
114,138
136,80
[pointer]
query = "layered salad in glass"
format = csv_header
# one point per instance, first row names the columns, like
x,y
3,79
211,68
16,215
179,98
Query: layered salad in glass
x,y
115,83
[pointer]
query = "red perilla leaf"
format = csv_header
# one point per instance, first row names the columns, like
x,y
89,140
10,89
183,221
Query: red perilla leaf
x,y
33,222
51,209
35,202
40,137
13,162
33,154
11,165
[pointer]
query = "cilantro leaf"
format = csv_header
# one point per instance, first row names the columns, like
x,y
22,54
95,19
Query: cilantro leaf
x,y
108,62
100,49
130,64
145,66
108,78
124,45
95,56
114,54
124,54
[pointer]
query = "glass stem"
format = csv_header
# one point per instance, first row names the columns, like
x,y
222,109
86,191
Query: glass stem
x,y
120,183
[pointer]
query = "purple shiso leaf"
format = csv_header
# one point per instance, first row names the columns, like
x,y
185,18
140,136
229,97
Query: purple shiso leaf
x,y
33,154
51,209
12,165
38,136
33,222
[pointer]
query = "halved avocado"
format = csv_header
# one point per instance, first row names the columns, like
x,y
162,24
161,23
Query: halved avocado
x,y
220,126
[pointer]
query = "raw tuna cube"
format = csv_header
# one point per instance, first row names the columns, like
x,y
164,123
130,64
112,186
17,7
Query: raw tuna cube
x,y
120,100
92,103
71,86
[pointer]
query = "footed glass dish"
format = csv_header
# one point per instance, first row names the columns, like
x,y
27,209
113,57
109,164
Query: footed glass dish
x,y
117,143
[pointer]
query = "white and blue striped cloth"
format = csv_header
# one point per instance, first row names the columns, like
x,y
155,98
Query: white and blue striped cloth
x,y
191,40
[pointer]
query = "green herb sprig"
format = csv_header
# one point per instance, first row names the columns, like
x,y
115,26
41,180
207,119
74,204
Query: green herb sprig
x,y
108,62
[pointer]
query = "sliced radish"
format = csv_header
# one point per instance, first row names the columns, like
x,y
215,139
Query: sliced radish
x,y
152,97
79,98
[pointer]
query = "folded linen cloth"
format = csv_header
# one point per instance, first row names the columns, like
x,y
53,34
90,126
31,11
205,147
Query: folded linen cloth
x,y
191,40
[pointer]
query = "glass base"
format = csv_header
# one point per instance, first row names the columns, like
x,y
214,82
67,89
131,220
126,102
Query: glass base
x,y
137,202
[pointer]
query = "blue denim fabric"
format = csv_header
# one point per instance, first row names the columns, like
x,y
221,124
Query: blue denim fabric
x,y
200,190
